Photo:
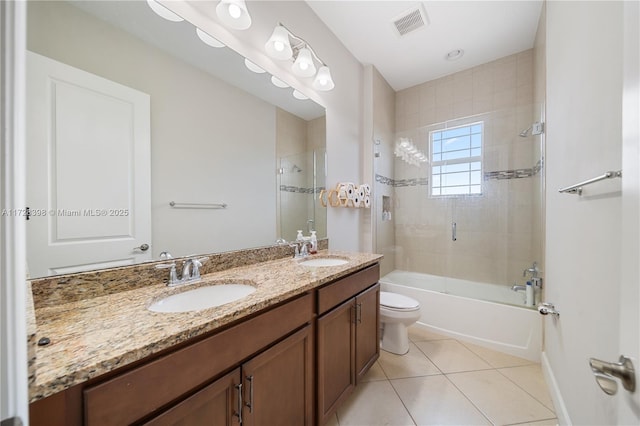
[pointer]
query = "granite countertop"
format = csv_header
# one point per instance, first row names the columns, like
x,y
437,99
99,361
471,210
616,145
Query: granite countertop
x,y
93,336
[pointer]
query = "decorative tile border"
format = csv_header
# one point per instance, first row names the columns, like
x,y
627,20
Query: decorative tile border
x,y
298,190
514,174
497,175
401,182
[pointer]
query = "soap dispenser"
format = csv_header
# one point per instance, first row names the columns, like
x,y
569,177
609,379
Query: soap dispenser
x,y
314,243
299,237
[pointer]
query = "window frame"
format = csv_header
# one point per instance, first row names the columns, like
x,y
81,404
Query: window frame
x,y
462,160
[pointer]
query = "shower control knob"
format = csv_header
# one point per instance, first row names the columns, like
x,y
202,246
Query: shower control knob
x,y
546,308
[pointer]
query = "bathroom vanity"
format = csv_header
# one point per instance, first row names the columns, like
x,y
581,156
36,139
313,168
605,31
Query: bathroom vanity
x,y
289,353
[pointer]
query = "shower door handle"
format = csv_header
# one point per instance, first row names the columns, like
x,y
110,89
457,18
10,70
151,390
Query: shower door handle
x,y
454,231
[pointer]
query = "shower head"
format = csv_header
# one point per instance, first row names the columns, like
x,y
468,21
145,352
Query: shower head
x,y
525,133
296,169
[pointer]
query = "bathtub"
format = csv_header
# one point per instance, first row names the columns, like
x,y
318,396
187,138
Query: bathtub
x,y
488,315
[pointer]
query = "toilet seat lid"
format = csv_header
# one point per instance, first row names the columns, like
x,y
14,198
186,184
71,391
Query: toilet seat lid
x,y
397,301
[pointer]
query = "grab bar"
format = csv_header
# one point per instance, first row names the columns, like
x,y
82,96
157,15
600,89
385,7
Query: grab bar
x,y
197,205
454,231
577,188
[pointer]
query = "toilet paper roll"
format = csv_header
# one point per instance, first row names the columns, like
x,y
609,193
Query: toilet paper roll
x,y
367,189
342,192
351,190
366,201
361,192
356,201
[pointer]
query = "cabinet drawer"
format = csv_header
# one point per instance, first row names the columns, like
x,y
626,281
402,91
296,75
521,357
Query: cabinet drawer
x,y
341,290
139,392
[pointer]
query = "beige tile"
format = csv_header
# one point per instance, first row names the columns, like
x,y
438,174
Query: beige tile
x,y
499,399
375,373
531,379
411,364
373,404
418,333
451,356
434,400
497,359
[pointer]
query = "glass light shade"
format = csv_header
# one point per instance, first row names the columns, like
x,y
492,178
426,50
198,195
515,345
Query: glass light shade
x,y
207,39
278,46
234,14
304,66
299,95
278,83
162,11
323,80
253,67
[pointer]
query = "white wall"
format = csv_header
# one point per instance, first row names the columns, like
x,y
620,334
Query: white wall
x,y
343,103
583,140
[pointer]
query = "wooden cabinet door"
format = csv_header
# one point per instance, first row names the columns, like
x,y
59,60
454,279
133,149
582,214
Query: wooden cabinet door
x,y
367,330
278,383
336,350
215,405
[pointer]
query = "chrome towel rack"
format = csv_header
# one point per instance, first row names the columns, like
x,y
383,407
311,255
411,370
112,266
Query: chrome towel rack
x,y
197,205
577,188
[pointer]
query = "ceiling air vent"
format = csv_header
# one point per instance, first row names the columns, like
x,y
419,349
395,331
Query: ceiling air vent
x,y
410,20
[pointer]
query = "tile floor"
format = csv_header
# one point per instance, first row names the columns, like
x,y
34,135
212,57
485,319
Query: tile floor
x,y
443,381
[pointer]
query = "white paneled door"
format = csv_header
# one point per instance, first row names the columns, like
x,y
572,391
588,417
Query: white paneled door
x,y
88,170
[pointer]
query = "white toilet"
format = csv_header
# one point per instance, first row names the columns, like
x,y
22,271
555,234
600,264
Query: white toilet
x,y
397,312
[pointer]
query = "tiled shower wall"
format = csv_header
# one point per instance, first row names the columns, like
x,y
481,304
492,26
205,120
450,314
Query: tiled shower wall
x,y
495,240
296,140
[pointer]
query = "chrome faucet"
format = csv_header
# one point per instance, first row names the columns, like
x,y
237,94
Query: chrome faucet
x,y
518,288
190,271
301,249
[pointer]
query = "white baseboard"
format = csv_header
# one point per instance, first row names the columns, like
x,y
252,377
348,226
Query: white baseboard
x,y
558,402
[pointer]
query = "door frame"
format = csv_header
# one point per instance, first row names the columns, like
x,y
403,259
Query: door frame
x,y
14,389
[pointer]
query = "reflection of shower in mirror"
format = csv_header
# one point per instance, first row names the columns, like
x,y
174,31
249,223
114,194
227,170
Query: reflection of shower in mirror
x,y
295,169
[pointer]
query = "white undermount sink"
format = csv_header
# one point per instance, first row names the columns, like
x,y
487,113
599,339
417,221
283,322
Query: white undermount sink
x,y
202,298
324,261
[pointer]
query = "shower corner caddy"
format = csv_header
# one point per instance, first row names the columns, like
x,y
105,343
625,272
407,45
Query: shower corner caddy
x,y
577,188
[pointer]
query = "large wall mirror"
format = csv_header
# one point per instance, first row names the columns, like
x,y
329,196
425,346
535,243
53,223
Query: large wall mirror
x,y
142,139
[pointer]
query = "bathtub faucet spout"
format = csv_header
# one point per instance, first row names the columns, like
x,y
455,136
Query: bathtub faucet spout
x,y
519,288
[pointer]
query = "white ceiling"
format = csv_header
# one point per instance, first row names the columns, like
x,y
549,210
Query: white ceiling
x,y
485,30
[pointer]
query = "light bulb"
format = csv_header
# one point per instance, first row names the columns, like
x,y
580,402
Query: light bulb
x,y
323,80
304,66
279,46
234,11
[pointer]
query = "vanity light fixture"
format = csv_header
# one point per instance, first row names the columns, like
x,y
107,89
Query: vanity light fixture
x,y
253,67
299,95
209,40
303,65
163,12
278,45
278,83
234,14
323,80
284,45
407,151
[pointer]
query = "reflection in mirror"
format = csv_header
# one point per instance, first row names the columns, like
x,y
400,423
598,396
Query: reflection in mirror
x,y
128,112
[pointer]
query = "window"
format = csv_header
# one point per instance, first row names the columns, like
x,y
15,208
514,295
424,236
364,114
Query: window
x,y
456,160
